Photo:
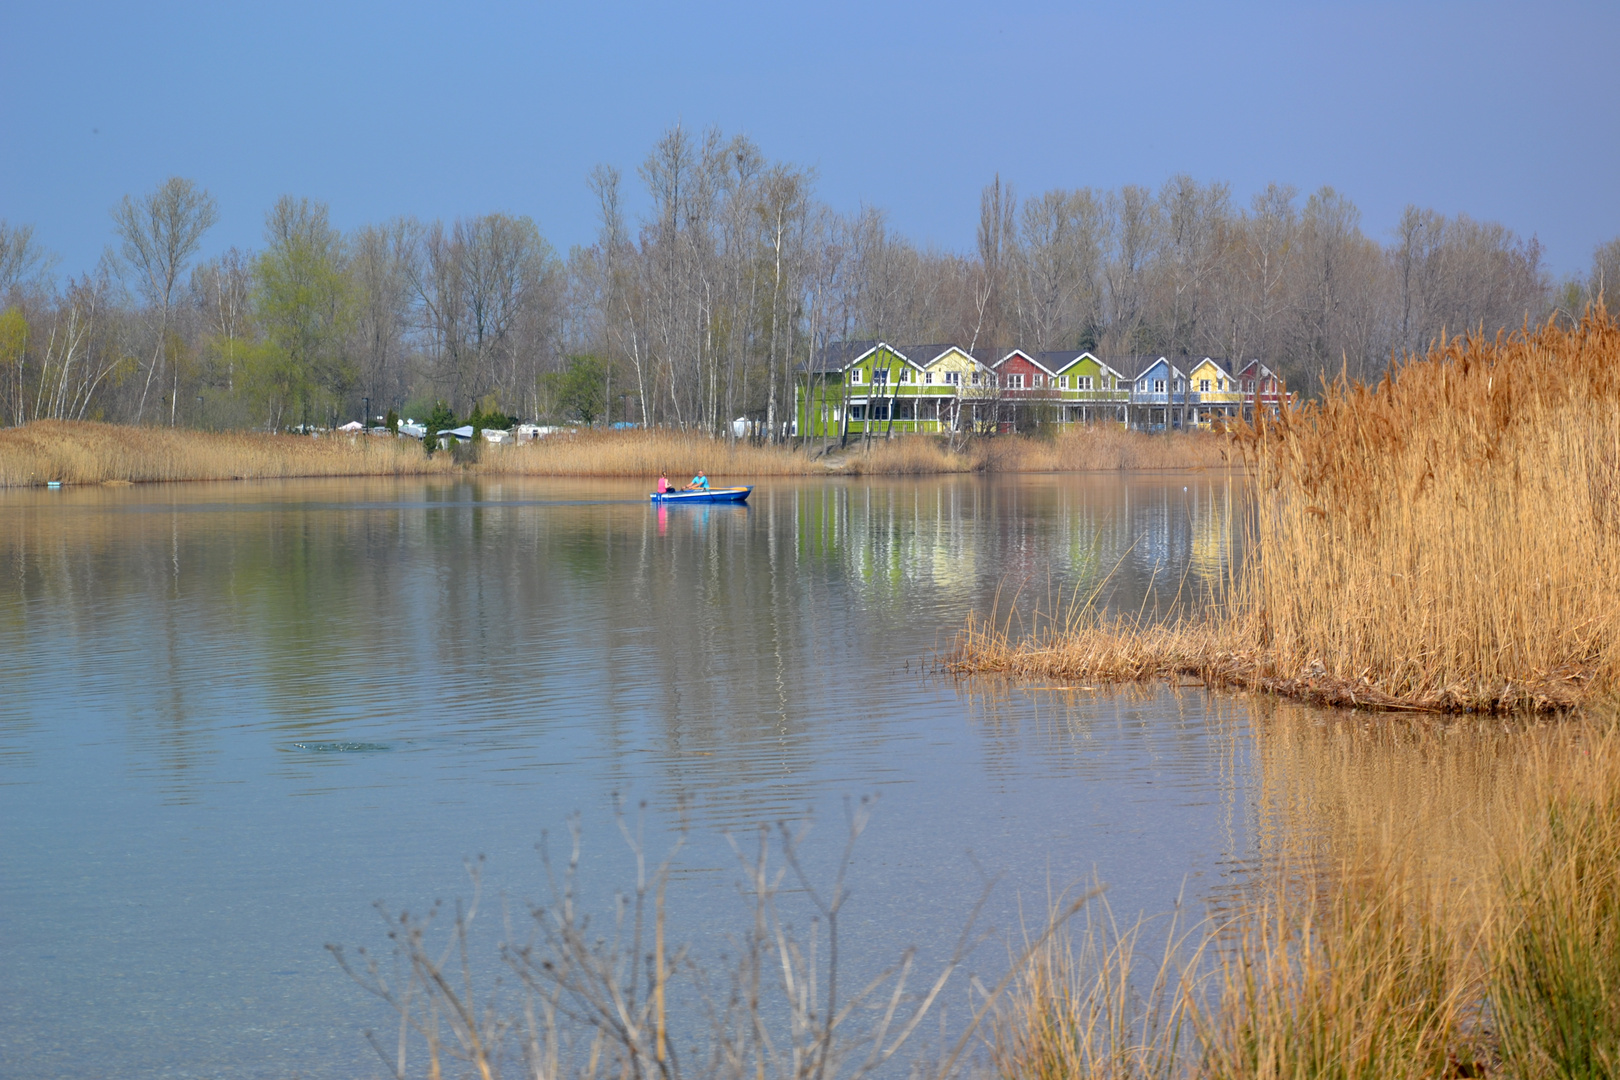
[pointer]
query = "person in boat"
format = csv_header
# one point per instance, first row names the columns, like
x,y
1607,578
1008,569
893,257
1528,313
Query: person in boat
x,y
700,482
663,484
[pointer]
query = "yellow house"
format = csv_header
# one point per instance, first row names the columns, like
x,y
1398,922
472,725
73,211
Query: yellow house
x,y
1212,392
951,380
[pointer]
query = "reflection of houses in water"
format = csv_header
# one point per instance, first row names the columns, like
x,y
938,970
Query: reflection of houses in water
x,y
911,552
1210,519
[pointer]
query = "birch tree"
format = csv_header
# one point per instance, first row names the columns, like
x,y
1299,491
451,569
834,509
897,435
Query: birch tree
x,y
159,234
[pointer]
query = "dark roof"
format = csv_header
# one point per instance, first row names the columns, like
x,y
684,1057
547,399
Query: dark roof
x,y
836,355
1058,359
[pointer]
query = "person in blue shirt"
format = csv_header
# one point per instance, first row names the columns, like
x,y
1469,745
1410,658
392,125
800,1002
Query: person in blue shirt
x,y
700,482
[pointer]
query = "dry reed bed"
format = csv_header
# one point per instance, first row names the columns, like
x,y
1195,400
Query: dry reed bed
x,y
1448,540
90,453
1432,907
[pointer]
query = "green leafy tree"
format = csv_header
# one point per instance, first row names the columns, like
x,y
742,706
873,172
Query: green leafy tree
x,y
440,419
303,306
577,390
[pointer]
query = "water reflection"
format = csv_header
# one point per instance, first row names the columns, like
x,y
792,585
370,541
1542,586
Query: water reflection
x,y
239,713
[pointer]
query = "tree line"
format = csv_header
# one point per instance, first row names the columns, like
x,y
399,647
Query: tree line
x,y
699,309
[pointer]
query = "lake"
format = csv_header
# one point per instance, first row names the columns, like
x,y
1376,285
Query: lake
x,y
234,716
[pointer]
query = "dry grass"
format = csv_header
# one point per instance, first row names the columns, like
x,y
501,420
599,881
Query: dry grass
x,y
1432,902
1447,541
643,453
1108,447
90,453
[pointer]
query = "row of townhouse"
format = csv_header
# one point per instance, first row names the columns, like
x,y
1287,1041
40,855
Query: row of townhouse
x,y
858,387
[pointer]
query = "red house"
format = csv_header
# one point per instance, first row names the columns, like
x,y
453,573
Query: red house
x,y
1261,390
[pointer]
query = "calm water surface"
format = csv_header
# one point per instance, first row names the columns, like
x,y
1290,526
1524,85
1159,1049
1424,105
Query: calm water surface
x,y
232,717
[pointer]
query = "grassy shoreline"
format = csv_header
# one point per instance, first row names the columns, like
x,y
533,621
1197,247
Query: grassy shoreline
x,y
1413,920
77,452
1447,541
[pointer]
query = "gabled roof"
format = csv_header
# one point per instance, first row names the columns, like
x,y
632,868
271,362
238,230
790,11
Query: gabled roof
x,y
1263,372
1151,364
843,355
1194,365
1027,358
929,355
1061,360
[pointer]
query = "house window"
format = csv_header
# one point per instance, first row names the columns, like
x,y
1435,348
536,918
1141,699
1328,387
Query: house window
x,y
1180,386
1015,382
1203,386
905,374
880,412
975,378
1158,386
1248,386
857,412
1085,382
928,377
954,378
1040,380
855,376
905,410
880,375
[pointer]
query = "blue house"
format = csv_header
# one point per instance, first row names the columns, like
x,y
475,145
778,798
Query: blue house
x,y
1159,396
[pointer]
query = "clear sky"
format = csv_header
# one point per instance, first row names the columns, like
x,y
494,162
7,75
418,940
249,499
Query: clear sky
x,y
1503,111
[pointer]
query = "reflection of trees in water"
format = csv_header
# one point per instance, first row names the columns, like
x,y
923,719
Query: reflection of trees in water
x,y
1177,728
731,646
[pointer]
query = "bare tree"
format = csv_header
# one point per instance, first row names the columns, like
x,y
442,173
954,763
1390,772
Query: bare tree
x,y
998,243
1603,286
159,234
23,262
222,290
1058,269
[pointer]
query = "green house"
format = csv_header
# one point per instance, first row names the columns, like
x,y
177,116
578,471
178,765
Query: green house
x,y
865,388
1089,388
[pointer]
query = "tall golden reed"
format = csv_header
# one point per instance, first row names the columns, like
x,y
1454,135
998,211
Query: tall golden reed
x,y
91,453
77,452
1430,901
1451,537
1448,540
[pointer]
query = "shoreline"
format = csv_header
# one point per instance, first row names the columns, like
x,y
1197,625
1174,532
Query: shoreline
x,y
1444,542
86,453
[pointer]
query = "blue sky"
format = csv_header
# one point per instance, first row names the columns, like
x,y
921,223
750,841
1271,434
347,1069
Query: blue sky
x,y
1510,112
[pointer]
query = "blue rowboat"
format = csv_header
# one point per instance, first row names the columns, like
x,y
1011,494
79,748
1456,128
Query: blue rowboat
x,y
713,495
